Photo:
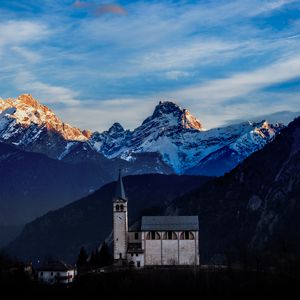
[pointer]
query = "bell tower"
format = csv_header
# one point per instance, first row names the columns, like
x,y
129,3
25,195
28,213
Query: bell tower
x,y
120,221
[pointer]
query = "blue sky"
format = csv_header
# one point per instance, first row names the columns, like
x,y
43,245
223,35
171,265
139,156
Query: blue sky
x,y
97,62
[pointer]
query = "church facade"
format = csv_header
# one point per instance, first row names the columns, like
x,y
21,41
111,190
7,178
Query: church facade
x,y
156,241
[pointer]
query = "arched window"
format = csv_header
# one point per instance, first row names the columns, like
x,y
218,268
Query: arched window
x,y
170,235
187,235
117,207
121,207
153,235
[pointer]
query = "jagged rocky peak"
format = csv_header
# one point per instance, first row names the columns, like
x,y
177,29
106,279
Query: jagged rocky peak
x,y
265,124
265,129
87,133
165,108
261,124
27,99
27,112
189,121
116,128
172,111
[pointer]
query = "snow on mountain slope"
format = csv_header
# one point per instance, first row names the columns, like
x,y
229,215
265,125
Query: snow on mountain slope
x,y
34,127
171,136
180,138
110,142
25,110
227,157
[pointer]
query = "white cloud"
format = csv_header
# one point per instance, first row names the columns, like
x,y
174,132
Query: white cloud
x,y
176,74
17,32
243,83
131,112
218,12
30,56
163,38
273,5
100,115
49,94
197,52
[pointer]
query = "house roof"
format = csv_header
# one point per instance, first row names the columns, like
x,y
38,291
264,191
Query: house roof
x,y
56,266
120,191
169,223
136,226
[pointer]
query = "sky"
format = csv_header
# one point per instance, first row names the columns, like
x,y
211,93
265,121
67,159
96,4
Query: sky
x,y
98,62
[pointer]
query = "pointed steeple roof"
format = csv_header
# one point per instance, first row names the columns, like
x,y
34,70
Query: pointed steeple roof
x,y
120,191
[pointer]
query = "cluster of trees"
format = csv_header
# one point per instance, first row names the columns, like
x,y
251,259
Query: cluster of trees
x,y
97,259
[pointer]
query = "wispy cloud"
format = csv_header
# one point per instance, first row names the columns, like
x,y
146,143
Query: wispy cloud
x,y
218,58
14,32
81,4
100,9
201,52
110,9
28,55
100,115
242,83
176,75
49,94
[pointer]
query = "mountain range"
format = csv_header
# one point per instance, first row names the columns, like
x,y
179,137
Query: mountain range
x,y
46,163
174,139
253,209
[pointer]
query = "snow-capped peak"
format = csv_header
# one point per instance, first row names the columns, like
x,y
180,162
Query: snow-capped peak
x,y
28,111
116,128
28,100
171,132
172,114
165,108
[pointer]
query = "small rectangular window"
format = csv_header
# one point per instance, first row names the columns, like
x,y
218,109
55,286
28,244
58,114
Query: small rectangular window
x,y
136,235
136,254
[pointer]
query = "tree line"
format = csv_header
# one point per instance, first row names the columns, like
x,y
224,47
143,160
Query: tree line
x,y
97,259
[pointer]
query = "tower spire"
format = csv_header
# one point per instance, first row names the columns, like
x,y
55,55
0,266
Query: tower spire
x,y
120,191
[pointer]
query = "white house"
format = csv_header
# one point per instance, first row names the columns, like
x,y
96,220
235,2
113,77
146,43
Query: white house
x,y
157,240
56,272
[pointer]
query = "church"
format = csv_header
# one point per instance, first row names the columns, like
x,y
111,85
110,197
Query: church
x,y
156,241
